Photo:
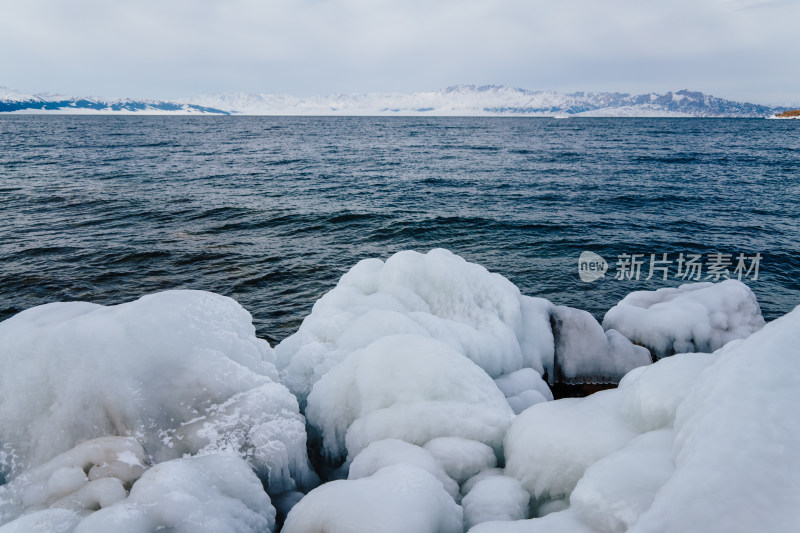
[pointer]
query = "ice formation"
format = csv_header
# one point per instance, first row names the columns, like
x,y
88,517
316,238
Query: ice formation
x,y
584,353
696,317
709,435
86,490
206,494
388,452
180,371
405,387
418,377
495,498
438,295
395,499
461,458
363,358
91,475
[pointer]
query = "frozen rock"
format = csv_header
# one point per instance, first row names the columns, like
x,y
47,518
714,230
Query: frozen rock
x,y
44,521
715,440
204,494
584,353
461,458
695,317
523,388
410,388
550,446
390,452
85,478
495,498
438,295
617,489
398,498
180,371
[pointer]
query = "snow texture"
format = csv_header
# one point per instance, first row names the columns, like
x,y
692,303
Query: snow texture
x,y
94,474
390,452
406,387
204,494
695,317
708,434
438,295
495,498
395,499
461,458
180,371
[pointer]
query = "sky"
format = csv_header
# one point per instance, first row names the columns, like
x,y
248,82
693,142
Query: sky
x,y
739,49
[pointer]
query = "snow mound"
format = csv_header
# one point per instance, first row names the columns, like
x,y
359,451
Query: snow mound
x,y
437,295
710,435
192,495
584,353
395,499
410,388
495,498
86,490
91,475
523,388
180,371
550,446
696,317
461,458
390,452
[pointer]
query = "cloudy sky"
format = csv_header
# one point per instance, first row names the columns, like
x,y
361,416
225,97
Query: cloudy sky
x,y
739,49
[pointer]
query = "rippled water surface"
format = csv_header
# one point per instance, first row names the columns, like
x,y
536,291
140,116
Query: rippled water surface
x,y
273,210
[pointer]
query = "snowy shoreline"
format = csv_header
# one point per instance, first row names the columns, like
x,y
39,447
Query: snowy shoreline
x,y
416,396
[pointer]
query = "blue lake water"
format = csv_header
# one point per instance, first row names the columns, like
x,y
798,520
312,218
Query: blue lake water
x,y
273,210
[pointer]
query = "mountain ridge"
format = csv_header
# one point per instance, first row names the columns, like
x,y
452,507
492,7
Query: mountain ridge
x,y
456,100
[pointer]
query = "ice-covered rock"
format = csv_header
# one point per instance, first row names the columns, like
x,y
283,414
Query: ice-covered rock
x,y
388,452
438,295
180,371
550,446
695,317
709,435
584,353
92,475
406,387
461,458
398,498
495,498
86,490
206,494
523,388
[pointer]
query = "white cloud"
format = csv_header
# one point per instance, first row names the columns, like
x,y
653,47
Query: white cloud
x,y
733,48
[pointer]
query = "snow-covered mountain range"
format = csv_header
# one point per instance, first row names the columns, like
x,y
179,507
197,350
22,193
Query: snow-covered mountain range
x,y
461,100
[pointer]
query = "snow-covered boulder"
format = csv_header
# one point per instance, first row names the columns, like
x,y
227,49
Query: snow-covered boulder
x,y
495,498
92,475
388,452
461,458
695,317
405,387
86,490
584,353
709,435
182,372
438,295
550,446
395,499
206,494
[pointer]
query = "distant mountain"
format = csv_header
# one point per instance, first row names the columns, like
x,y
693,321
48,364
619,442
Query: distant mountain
x,y
461,100
12,101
